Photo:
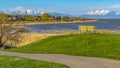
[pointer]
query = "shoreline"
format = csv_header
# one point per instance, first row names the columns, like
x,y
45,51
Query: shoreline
x,y
34,23
67,31
32,37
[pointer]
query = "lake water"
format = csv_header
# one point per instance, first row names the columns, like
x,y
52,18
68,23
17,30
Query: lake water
x,y
100,24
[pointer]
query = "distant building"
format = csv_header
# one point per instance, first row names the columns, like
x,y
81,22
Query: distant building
x,y
15,17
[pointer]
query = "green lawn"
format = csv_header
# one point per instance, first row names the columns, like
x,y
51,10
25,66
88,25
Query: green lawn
x,y
94,45
15,62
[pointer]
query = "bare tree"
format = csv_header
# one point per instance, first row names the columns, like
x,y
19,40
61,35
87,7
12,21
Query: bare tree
x,y
10,32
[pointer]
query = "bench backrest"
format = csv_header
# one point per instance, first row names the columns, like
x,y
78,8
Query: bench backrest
x,y
90,29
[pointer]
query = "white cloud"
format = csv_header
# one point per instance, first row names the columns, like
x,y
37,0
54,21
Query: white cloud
x,y
98,12
115,6
19,8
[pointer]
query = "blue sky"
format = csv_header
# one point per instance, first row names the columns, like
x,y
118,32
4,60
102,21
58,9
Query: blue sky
x,y
73,7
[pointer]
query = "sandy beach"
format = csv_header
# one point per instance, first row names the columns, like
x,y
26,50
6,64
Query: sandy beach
x,y
37,22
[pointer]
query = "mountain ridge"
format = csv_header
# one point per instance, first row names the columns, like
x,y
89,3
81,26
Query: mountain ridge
x,y
101,14
33,12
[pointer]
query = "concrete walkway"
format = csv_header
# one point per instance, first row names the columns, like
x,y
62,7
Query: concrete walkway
x,y
71,61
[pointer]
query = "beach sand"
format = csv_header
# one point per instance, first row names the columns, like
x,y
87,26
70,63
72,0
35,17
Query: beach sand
x,y
37,22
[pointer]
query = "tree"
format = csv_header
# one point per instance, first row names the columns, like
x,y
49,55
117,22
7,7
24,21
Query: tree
x,y
10,33
3,17
65,18
45,17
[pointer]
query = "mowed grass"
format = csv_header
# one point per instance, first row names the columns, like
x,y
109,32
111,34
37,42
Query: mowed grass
x,y
15,62
92,45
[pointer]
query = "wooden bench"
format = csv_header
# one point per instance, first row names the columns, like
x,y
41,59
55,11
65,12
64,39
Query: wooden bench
x,y
87,29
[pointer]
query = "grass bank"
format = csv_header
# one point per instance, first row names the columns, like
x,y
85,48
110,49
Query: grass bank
x,y
28,38
16,62
93,45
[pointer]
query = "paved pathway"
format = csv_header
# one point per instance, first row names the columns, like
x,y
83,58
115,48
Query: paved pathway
x,y
71,61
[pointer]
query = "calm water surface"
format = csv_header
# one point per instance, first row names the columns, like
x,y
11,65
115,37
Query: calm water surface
x,y
100,24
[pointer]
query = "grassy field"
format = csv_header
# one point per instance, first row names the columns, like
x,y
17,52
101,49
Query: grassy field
x,y
94,45
15,62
